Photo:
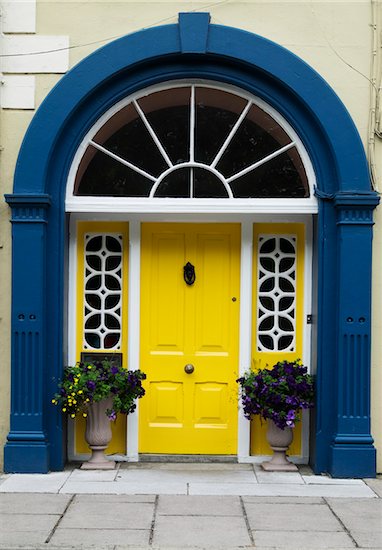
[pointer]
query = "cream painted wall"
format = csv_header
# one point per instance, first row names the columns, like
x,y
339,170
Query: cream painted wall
x,y
334,37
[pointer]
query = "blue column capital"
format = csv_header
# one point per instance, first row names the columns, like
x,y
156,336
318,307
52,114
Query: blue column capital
x,y
28,208
366,201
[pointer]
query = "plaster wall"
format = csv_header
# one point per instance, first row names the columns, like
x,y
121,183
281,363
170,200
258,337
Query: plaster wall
x,y
334,37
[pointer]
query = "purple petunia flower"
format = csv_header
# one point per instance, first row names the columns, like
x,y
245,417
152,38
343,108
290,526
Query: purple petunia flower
x,y
112,415
90,384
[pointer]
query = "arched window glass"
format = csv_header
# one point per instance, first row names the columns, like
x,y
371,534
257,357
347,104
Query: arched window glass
x,y
192,141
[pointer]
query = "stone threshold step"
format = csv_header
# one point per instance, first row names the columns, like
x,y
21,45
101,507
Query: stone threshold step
x,y
218,459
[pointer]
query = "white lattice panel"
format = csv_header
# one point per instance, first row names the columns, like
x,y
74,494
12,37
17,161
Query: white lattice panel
x,y
103,265
276,299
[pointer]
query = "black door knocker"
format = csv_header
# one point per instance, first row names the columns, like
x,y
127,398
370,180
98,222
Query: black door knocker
x,y
189,273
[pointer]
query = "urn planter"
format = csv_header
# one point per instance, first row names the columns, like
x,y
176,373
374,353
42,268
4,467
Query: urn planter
x,y
98,435
279,441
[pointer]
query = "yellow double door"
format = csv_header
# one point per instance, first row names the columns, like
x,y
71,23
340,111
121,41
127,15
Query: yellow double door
x,y
189,338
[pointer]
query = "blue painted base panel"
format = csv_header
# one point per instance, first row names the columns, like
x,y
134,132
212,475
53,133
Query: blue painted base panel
x,y
353,461
15,458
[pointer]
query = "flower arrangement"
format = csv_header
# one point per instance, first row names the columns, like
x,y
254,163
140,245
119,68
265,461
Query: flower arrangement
x,y
278,393
86,383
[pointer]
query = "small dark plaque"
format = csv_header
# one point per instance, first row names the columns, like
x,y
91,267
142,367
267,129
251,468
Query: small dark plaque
x,y
115,358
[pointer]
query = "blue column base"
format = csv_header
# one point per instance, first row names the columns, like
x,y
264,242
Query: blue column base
x,y
355,461
26,457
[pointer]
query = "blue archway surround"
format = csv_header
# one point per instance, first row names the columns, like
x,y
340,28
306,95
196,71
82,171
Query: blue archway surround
x,y
342,443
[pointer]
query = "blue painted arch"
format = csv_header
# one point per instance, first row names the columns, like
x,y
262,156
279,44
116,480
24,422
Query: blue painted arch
x,y
194,48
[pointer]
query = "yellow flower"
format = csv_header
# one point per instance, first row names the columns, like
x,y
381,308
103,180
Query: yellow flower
x,y
64,410
89,367
73,393
72,415
79,392
84,415
87,400
74,401
54,401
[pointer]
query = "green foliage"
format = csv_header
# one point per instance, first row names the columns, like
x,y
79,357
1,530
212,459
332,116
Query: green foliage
x,y
85,383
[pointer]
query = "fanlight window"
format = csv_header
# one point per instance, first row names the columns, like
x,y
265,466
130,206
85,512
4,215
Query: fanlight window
x,y
192,141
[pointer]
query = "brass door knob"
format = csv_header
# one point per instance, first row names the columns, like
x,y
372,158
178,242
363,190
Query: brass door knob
x,y
189,369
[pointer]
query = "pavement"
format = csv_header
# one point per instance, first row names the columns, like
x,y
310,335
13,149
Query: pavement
x,y
188,506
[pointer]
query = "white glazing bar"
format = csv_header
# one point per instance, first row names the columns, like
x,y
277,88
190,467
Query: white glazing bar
x,y
232,133
192,165
152,133
192,124
262,161
122,161
245,348
191,183
133,330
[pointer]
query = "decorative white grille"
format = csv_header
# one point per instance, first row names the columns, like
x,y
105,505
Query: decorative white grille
x,y
276,300
103,265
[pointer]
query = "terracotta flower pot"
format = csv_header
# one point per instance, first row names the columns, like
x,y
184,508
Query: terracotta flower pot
x,y
279,440
98,436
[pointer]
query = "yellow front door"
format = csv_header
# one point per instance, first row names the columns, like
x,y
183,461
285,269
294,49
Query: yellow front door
x,y
189,324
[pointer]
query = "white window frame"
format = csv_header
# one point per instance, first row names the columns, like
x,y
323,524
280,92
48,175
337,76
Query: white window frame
x,y
151,204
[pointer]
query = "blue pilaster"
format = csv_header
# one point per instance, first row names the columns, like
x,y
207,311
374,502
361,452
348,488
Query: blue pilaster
x,y
27,447
352,450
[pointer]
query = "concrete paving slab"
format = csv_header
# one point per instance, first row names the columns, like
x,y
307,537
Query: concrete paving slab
x,y
325,480
28,522
187,476
205,531
35,483
21,529
93,475
283,500
301,539
185,466
94,515
97,537
29,503
178,505
278,477
359,514
120,488
369,539
273,489
108,500
22,539
291,517
375,485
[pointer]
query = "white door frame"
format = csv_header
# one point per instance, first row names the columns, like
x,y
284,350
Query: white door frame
x,y
246,221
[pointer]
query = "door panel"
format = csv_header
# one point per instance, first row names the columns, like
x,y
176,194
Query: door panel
x,y
199,325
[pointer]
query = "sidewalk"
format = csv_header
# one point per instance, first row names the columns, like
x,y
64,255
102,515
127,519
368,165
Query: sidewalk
x,y
193,506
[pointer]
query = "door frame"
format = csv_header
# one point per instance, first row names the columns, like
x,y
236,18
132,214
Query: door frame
x,y
194,48
245,319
